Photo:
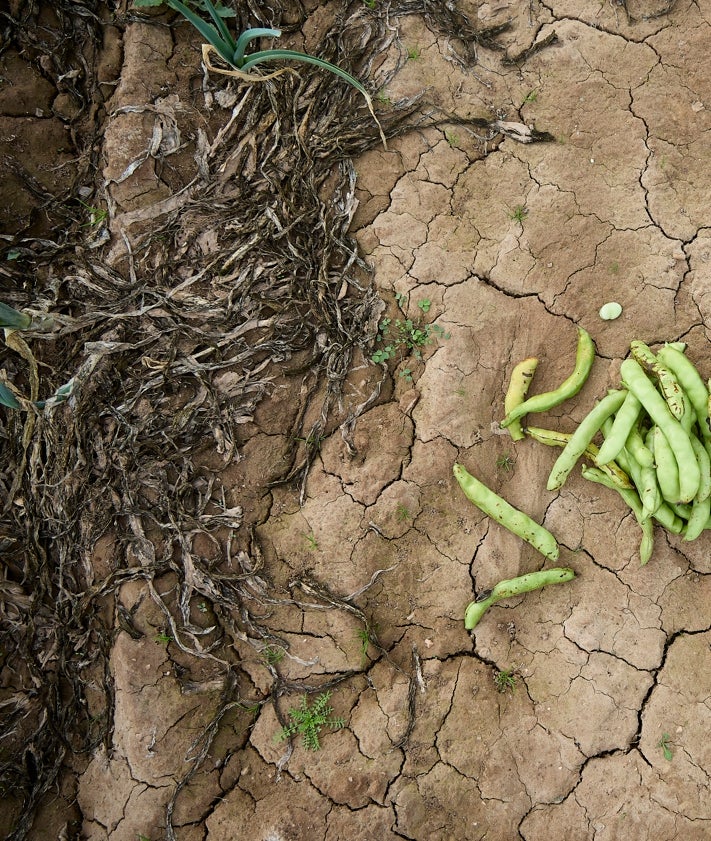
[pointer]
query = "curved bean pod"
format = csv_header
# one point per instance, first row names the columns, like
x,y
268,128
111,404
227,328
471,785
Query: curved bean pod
x,y
521,377
582,437
509,517
514,587
622,426
645,483
702,456
700,511
692,383
636,447
638,383
667,469
584,358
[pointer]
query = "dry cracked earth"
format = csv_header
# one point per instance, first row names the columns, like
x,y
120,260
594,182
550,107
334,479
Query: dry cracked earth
x,y
513,244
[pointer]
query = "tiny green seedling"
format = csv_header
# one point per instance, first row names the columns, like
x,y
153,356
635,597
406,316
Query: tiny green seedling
x,y
163,637
308,721
505,680
96,215
664,745
452,138
272,654
312,542
531,96
506,462
402,512
519,213
413,53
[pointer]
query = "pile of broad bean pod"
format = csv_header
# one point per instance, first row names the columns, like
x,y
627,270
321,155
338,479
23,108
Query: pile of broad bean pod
x,y
656,451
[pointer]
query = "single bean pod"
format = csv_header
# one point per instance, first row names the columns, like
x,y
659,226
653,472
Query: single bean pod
x,y
509,517
670,389
702,456
667,469
584,358
521,378
636,447
623,424
515,587
643,354
700,511
639,384
582,437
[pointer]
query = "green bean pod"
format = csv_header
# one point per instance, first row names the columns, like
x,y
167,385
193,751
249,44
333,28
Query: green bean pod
x,y
639,384
625,420
521,378
584,358
670,389
515,587
643,354
700,511
692,383
667,468
646,545
645,482
509,517
702,456
636,447
582,437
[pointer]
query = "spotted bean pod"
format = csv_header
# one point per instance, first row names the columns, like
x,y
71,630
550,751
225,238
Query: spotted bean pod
x,y
515,587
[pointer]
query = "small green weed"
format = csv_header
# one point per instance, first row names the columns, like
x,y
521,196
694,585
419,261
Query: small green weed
x,y
96,215
163,637
402,512
519,213
452,138
505,681
272,654
531,96
308,721
505,462
312,542
406,336
371,4
413,53
615,267
664,745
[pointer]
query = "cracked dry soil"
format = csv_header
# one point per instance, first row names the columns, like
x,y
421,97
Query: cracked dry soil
x,y
614,207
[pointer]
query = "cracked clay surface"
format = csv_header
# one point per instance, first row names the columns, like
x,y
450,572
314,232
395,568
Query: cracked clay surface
x,y
513,244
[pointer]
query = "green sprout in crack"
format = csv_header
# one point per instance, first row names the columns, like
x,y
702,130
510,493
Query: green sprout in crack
x,y
531,96
505,680
163,637
413,53
519,213
312,542
308,721
452,138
